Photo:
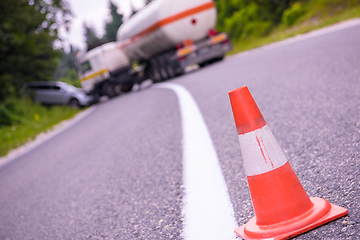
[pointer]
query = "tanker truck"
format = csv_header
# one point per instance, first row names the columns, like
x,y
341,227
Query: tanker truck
x,y
162,39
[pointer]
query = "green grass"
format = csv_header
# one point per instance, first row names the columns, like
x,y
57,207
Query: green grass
x,y
32,120
306,24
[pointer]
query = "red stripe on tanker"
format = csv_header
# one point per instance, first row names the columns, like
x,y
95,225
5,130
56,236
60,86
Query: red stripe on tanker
x,y
163,24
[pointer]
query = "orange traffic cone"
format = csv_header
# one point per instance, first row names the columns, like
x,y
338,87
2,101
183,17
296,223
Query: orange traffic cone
x,y
282,207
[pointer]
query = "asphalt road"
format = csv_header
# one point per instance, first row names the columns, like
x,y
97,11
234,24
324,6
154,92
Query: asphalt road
x,y
118,172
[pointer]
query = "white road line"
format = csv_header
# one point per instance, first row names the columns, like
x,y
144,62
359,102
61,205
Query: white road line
x,y
12,155
207,210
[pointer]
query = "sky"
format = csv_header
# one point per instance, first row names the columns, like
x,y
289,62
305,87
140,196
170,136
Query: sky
x,y
94,13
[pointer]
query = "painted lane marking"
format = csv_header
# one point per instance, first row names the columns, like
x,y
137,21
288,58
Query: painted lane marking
x,y
207,211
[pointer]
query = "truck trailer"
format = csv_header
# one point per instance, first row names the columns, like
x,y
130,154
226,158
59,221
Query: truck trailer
x,y
162,39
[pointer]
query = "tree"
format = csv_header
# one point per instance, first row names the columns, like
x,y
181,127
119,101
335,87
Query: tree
x,y
133,11
66,70
91,39
28,30
112,26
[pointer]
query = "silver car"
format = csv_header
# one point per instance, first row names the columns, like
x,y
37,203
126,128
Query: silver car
x,y
57,93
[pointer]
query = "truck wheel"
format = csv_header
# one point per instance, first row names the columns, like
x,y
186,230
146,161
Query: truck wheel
x,y
117,89
107,89
178,70
96,98
154,71
211,61
169,68
220,58
162,68
201,65
127,87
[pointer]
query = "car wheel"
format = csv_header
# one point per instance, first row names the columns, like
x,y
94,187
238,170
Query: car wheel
x,y
74,103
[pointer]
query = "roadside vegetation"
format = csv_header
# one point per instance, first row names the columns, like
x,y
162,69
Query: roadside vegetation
x,y
31,50
27,121
281,32
253,23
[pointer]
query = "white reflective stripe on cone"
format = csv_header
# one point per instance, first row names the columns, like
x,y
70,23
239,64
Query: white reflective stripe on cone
x,y
260,151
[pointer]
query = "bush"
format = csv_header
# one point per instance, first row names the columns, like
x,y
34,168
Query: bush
x,y
5,116
24,120
293,13
324,8
246,23
256,29
71,78
10,113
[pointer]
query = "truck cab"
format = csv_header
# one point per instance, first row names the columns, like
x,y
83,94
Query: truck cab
x,y
104,70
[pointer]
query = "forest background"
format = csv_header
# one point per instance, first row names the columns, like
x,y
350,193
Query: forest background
x,y
31,48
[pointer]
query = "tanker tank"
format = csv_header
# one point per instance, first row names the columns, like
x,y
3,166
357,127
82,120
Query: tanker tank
x,y
162,24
